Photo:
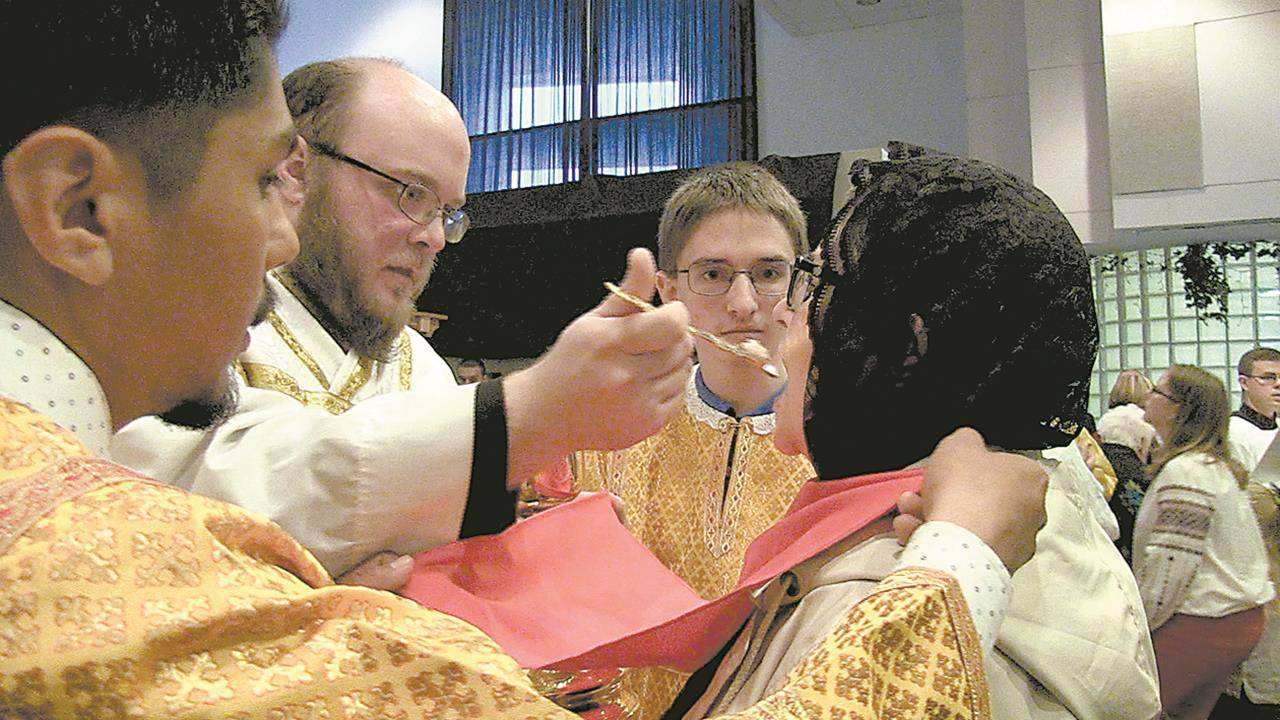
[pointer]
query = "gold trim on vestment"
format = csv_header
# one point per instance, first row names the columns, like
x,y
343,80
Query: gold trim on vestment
x,y
266,377
272,378
356,380
291,340
405,355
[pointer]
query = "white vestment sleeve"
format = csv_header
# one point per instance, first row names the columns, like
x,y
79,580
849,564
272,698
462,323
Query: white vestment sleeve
x,y
390,473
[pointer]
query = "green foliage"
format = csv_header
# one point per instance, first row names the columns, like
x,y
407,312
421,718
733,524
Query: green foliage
x,y
1203,271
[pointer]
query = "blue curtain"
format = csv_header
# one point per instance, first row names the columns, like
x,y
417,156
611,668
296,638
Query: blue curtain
x,y
554,89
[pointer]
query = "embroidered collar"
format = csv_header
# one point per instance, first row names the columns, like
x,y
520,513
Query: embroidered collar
x,y
37,369
1256,418
722,405
708,408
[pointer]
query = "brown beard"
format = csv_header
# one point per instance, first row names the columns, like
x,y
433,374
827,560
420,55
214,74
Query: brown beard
x,y
327,276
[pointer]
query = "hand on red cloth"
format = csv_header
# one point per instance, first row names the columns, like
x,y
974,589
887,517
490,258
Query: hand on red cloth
x,y
572,589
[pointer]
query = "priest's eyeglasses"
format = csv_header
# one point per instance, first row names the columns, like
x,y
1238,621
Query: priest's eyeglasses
x,y
715,277
418,202
806,275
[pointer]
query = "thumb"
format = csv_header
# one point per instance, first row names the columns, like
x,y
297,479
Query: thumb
x,y
639,280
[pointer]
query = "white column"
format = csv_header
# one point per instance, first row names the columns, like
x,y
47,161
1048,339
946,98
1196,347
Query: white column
x,y
1066,83
996,95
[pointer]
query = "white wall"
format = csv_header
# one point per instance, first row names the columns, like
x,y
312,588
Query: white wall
x,y
861,88
1237,60
409,30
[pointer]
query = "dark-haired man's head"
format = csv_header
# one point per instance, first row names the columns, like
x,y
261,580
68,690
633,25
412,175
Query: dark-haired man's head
x,y
363,261
1258,373
470,371
140,206
952,294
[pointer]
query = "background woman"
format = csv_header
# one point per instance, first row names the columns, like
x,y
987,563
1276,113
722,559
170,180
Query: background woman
x,y
1126,439
1197,552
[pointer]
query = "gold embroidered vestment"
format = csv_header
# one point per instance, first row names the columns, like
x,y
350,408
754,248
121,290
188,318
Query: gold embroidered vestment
x,y
696,494
126,598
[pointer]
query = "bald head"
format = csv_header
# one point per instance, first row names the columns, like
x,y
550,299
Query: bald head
x,y
322,95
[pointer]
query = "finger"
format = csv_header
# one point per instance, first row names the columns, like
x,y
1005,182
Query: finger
x,y
637,280
910,503
660,365
965,438
384,571
657,330
619,508
904,526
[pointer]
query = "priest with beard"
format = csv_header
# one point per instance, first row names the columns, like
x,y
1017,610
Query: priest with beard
x,y
351,431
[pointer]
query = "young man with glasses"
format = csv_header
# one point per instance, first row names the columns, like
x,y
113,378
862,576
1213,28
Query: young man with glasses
x,y
1255,691
701,489
1253,426
352,432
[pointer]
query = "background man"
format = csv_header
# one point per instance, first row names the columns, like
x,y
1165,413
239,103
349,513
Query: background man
x,y
357,411
1253,426
703,487
1255,691
470,371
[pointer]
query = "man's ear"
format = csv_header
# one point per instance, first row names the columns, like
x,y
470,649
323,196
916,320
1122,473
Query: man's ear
x,y
67,190
667,288
293,179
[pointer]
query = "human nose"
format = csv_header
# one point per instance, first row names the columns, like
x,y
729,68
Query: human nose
x,y
742,296
431,234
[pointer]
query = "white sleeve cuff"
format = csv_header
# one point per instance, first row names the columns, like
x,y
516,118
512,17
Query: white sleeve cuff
x,y
983,578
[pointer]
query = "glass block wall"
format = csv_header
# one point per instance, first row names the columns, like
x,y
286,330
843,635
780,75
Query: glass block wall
x,y
1145,324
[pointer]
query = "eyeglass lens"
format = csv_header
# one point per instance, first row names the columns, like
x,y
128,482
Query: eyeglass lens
x,y
768,277
422,206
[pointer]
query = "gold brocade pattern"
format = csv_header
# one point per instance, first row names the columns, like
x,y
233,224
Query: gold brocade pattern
x,y
673,488
909,650
134,599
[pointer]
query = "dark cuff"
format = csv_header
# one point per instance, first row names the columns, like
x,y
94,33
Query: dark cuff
x,y
491,507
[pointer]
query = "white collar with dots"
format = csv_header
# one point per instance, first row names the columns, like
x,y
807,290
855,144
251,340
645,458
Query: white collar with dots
x,y
37,369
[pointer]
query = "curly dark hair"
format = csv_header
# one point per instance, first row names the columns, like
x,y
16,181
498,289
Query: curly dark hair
x,y
985,267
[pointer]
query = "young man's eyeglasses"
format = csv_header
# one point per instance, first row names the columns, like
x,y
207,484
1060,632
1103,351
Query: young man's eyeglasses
x,y
806,275
418,202
1165,395
715,277
1265,378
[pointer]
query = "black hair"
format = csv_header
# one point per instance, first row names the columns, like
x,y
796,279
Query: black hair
x,y
1000,283
151,75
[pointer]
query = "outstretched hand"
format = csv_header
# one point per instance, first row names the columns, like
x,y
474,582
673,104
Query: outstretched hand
x,y
614,376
